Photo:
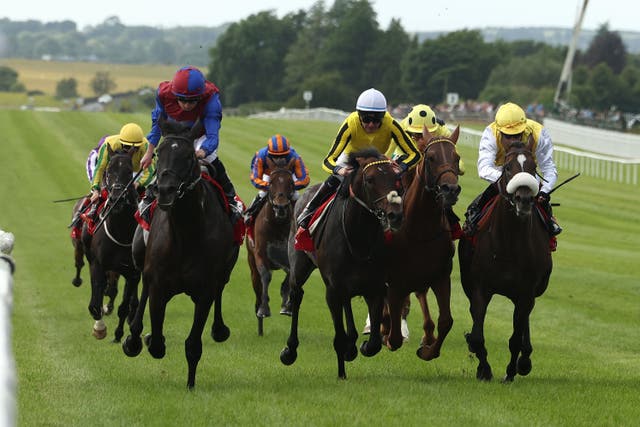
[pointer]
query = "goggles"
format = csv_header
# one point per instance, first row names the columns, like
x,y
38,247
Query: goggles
x,y
186,100
371,117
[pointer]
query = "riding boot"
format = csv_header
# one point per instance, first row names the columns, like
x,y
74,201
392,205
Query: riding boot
x,y
77,217
552,226
147,201
474,211
235,207
326,189
255,207
90,216
454,223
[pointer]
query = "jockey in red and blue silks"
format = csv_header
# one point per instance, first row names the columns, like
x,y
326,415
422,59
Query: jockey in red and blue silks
x,y
277,147
187,98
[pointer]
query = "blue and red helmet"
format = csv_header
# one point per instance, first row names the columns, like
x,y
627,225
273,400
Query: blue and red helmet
x,y
278,145
188,82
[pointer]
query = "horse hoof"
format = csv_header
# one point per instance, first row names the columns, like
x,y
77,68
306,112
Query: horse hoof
x,y
156,348
106,310
220,333
369,352
484,374
263,313
132,346
351,354
99,334
285,311
288,356
524,366
508,379
76,282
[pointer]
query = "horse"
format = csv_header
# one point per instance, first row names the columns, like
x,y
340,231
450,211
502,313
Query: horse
x,y
108,250
190,248
509,255
267,251
78,255
421,255
350,252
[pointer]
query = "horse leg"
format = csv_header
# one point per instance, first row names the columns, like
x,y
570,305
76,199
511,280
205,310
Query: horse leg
x,y
442,291
352,333
285,306
78,255
521,311
428,338
374,344
125,307
98,284
219,331
301,269
336,307
395,304
475,339
155,341
265,278
132,345
524,361
193,343
111,291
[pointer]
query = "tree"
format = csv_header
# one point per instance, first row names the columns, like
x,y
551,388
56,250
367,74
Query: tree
x,y
9,80
67,88
607,47
102,83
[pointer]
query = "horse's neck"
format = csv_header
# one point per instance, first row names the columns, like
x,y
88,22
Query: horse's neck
x,y
422,211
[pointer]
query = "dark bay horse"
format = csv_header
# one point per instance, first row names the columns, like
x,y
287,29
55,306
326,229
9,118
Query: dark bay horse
x,y
267,251
351,254
421,255
509,255
108,250
190,249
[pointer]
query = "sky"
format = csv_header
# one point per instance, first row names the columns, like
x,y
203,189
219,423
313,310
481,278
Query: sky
x,y
414,15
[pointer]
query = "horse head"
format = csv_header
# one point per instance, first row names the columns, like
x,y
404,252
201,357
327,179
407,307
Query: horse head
x,y
117,178
376,186
281,187
177,168
518,183
441,166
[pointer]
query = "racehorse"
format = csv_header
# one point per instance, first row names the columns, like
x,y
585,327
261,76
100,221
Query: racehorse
x,y
108,250
267,251
190,248
421,255
350,252
78,255
509,255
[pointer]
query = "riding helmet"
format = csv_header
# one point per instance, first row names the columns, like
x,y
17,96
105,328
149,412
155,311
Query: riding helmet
x,y
278,145
510,119
188,82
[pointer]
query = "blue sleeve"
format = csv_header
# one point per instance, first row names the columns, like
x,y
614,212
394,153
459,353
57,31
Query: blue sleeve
x,y
155,133
212,118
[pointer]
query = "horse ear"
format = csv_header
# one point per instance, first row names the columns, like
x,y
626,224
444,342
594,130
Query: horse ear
x,y
504,142
426,135
530,143
270,163
291,164
456,133
197,129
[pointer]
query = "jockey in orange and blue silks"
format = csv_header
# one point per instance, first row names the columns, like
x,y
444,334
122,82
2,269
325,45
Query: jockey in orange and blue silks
x,y
277,147
187,98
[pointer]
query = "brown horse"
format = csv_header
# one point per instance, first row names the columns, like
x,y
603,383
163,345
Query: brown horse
x,y
421,256
111,290
267,251
190,249
509,255
350,253
108,250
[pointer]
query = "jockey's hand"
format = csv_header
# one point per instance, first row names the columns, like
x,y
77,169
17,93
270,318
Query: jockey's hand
x,y
543,197
146,160
95,195
400,167
200,154
343,171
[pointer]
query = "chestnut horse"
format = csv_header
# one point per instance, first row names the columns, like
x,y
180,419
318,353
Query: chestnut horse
x,y
421,255
267,251
509,255
190,249
350,252
108,250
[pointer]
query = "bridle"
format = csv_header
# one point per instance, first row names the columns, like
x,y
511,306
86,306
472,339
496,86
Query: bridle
x,y
432,184
185,184
273,173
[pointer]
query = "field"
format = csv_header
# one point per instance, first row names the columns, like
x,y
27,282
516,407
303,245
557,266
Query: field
x,y
44,75
585,328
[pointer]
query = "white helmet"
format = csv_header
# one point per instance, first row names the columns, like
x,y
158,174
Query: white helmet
x,y
371,100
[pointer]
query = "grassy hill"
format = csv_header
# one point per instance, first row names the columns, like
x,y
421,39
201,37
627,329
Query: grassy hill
x,y
586,369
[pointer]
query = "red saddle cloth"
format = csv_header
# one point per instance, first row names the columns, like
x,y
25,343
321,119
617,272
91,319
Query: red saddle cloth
x,y
238,228
303,240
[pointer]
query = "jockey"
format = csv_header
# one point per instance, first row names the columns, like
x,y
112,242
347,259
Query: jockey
x,y
131,138
187,98
512,124
369,126
278,147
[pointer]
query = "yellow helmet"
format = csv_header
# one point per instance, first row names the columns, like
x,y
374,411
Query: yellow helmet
x,y
510,119
419,116
131,134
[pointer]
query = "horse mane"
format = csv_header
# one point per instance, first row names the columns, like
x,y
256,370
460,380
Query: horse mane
x,y
352,161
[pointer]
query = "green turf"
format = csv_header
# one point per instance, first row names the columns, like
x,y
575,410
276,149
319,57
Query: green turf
x,y
586,359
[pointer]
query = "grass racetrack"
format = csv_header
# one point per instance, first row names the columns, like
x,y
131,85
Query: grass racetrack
x,y
585,329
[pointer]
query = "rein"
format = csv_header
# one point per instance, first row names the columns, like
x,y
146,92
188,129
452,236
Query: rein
x,y
435,187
